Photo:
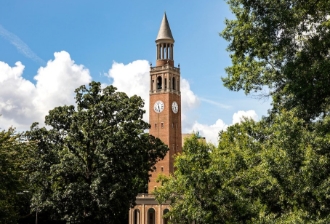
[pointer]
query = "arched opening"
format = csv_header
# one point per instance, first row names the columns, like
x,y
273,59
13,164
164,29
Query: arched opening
x,y
165,220
159,82
165,83
151,216
136,216
173,83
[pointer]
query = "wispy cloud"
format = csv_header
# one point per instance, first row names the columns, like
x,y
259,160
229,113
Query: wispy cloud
x,y
22,47
215,103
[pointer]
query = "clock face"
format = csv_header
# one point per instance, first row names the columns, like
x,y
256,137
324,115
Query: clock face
x,y
175,107
158,106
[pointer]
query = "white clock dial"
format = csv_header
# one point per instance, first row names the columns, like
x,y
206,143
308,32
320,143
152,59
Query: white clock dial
x,y
175,107
158,106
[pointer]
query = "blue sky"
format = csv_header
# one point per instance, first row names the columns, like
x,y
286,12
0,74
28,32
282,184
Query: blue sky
x,y
99,35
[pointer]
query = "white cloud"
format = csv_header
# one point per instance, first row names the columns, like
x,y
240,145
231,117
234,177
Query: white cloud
x,y
22,102
134,78
239,116
57,81
210,132
220,105
22,47
188,99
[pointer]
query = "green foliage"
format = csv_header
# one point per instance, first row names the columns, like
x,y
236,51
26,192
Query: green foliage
x,y
275,170
190,186
13,154
262,172
93,160
283,46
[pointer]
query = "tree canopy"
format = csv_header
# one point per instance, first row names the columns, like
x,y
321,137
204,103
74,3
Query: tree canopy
x,y
13,154
275,170
93,159
259,173
282,46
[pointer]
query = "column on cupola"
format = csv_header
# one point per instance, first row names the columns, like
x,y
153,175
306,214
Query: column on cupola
x,y
167,51
162,57
157,51
172,52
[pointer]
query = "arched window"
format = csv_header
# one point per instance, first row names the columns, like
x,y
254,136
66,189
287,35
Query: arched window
x,y
165,83
151,216
173,83
165,220
136,216
159,82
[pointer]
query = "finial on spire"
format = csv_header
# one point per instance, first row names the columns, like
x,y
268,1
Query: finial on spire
x,y
164,30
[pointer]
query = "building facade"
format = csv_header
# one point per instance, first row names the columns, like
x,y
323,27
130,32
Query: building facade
x,y
165,121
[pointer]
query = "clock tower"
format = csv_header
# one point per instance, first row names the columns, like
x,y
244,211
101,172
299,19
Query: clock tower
x,y
165,122
165,102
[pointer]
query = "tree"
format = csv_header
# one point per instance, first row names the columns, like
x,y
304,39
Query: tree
x,y
94,159
13,152
275,170
261,172
192,186
282,46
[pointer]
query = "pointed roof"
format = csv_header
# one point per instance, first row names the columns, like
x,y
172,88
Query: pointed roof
x,y
164,30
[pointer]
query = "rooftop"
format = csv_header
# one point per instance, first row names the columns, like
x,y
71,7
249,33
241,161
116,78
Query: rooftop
x,y
164,30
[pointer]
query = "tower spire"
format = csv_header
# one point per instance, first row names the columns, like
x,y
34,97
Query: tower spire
x,y
165,44
164,30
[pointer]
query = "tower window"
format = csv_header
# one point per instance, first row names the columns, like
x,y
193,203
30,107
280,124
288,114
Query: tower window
x,y
155,125
151,215
173,83
165,83
159,82
162,169
162,124
136,216
165,220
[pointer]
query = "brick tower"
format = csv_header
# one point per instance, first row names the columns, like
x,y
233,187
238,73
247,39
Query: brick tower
x,y
165,121
165,102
